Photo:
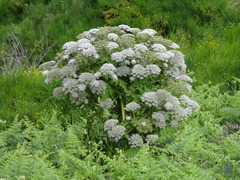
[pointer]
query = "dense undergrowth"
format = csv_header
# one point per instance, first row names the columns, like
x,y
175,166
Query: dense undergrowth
x,y
45,138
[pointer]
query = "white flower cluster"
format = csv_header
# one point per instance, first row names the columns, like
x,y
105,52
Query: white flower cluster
x,y
174,46
135,140
125,28
98,87
185,78
69,48
153,69
174,123
112,36
87,49
159,48
160,118
164,100
178,61
150,99
192,105
151,139
140,48
106,59
109,69
109,124
86,78
165,56
122,55
68,71
123,71
127,36
112,45
83,46
53,75
91,34
140,72
149,32
132,106
58,93
116,133
106,104
70,85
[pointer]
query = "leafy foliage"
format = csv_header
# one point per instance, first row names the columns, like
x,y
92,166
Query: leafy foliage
x,y
198,148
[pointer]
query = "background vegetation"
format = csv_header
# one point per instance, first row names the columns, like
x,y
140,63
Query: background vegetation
x,y
205,145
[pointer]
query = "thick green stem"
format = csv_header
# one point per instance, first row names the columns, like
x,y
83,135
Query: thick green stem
x,y
122,109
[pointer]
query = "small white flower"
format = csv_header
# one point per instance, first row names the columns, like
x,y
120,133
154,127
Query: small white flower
x,y
132,79
44,73
82,87
125,28
100,88
123,71
97,75
192,105
87,49
133,62
71,61
168,106
108,69
138,71
174,123
159,48
174,46
128,35
116,133
150,99
184,78
105,104
144,124
66,56
170,54
69,45
153,69
95,83
150,32
140,47
163,56
91,34
128,118
150,139
112,36
109,124
112,45
132,106
165,65
84,40
135,140
86,78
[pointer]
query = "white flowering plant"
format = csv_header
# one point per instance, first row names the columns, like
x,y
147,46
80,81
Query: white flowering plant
x,y
135,81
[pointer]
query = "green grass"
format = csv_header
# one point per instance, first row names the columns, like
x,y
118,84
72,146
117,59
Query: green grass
x,y
23,95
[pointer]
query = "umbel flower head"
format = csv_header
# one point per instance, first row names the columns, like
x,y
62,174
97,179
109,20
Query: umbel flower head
x,y
141,72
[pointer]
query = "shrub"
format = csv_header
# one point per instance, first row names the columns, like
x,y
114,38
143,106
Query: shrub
x,y
122,71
